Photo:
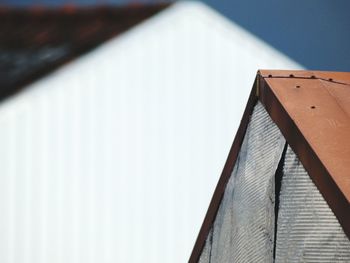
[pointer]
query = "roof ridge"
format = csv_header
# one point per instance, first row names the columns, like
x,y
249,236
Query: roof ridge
x,y
333,77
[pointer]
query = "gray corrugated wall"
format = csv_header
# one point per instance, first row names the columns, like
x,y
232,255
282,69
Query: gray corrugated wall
x,y
307,229
243,231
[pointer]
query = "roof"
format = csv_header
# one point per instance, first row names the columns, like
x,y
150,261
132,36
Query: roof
x,y
312,110
33,42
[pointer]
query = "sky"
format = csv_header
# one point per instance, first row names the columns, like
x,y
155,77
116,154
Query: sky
x,y
315,33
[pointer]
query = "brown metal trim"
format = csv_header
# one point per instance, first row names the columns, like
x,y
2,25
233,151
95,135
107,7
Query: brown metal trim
x,y
335,77
225,176
322,178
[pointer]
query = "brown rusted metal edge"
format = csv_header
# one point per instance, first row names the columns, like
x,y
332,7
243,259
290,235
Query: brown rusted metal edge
x,y
333,195
335,77
225,176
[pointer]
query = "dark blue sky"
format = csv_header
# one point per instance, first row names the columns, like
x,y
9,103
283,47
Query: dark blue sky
x,y
315,33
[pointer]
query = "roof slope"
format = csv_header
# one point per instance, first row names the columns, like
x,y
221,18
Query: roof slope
x,y
311,108
34,42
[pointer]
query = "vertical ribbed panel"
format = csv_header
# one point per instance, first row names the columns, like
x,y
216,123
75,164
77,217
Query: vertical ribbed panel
x,y
243,230
307,229
113,157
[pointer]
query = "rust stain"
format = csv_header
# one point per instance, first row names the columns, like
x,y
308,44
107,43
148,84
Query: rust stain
x,y
314,119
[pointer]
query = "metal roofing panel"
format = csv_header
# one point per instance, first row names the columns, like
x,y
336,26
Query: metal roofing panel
x,y
322,116
340,77
313,115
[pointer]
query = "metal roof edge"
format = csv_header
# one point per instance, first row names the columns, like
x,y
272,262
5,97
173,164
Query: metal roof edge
x,y
335,77
319,172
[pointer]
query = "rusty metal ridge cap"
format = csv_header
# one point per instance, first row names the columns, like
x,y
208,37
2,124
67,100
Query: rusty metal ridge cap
x,y
308,157
342,78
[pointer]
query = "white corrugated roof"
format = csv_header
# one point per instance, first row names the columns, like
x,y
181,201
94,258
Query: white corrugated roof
x,y
114,157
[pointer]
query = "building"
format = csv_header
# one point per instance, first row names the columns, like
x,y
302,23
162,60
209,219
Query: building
x,y
111,142
284,194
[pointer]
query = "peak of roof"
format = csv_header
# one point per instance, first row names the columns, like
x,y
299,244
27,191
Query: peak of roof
x,y
35,41
312,111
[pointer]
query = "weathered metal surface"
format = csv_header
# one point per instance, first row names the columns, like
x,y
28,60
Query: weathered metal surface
x,y
306,229
313,115
243,230
336,77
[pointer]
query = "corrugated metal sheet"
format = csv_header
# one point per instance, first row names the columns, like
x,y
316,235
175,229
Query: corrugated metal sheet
x,y
307,229
243,230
